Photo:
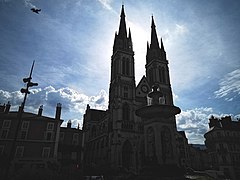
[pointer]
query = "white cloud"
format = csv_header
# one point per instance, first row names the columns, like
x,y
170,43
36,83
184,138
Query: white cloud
x,y
73,102
195,123
180,29
106,4
29,3
229,86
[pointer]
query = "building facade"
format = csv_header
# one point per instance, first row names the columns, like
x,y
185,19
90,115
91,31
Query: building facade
x,y
116,138
222,141
70,152
30,143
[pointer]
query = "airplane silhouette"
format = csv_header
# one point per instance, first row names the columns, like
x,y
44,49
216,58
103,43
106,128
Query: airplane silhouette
x,y
36,10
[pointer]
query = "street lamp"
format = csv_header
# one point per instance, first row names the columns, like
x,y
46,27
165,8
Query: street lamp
x,y
25,91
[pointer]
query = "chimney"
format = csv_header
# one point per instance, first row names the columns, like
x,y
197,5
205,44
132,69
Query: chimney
x,y
58,111
40,110
2,107
20,109
69,124
7,108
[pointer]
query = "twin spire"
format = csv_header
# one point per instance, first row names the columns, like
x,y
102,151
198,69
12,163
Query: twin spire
x,y
154,39
122,34
122,41
122,27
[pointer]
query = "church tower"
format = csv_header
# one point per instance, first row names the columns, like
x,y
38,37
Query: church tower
x,y
122,83
157,71
122,98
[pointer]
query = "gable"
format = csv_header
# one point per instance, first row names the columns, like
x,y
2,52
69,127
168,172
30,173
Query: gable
x,y
143,88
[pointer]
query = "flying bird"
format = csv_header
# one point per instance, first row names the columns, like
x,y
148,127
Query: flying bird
x,y
36,10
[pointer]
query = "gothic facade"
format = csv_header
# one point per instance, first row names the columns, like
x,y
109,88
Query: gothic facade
x,y
117,138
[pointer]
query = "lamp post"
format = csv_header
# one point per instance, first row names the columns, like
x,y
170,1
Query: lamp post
x,y
25,91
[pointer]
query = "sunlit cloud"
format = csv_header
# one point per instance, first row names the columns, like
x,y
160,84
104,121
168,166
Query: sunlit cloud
x,y
29,3
195,123
73,102
106,4
229,86
181,29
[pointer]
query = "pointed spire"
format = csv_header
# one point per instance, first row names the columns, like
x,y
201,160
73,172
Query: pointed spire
x,y
122,27
129,35
162,47
154,39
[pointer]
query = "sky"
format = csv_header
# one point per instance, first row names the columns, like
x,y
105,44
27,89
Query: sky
x,y
71,43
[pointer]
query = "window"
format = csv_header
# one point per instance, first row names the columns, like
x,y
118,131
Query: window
x,y
50,126
1,149
19,151
46,152
23,134
126,112
49,136
75,139
125,91
6,124
4,133
61,136
125,66
151,75
25,125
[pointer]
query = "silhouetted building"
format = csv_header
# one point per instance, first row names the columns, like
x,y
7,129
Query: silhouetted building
x,y
183,149
222,141
117,141
199,158
70,150
36,144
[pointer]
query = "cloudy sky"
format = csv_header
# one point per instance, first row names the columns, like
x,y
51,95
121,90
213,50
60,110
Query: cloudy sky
x,y
71,42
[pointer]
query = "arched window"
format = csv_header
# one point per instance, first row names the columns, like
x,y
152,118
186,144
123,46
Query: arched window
x,y
166,143
123,65
163,75
160,74
126,112
151,75
127,67
125,91
151,143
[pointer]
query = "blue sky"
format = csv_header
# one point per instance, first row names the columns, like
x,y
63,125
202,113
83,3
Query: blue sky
x,y
71,42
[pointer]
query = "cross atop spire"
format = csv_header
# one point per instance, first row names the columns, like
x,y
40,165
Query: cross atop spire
x,y
154,40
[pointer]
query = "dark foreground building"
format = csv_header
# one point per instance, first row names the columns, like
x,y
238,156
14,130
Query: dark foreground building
x,y
120,143
29,143
223,143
